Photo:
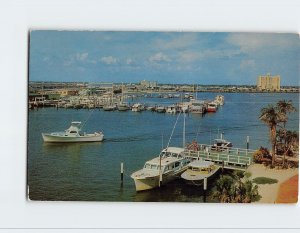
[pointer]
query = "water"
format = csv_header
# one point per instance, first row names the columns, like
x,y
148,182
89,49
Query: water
x,y
91,171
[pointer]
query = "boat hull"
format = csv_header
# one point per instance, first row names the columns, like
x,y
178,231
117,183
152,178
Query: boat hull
x,y
197,180
147,183
97,137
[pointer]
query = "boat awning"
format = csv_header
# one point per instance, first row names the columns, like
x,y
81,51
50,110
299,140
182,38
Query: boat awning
x,y
201,164
176,150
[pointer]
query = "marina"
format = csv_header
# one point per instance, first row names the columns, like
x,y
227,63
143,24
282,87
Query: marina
x,y
91,171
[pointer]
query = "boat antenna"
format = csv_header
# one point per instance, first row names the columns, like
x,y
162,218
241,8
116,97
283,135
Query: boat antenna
x,y
162,140
173,130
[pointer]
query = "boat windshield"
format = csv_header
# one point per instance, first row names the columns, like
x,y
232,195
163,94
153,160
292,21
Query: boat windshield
x,y
169,154
151,166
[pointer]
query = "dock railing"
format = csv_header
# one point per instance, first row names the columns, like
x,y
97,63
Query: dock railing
x,y
232,158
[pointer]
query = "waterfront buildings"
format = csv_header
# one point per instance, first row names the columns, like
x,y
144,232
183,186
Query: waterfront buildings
x,y
268,82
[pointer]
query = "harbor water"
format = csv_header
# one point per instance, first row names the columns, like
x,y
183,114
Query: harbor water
x,y
91,171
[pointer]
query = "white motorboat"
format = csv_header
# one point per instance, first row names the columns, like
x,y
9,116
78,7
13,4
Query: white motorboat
x,y
122,106
220,144
212,107
160,109
171,109
168,166
73,134
198,170
197,107
137,107
109,107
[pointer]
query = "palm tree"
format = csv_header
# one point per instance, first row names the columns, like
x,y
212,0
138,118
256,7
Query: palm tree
x,y
272,117
224,191
285,107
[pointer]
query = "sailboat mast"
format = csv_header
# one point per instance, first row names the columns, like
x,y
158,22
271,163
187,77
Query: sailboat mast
x,y
183,138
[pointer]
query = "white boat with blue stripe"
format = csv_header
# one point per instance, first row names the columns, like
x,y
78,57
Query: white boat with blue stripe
x,y
73,134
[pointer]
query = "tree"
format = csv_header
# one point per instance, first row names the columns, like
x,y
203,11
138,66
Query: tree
x,y
272,117
236,188
286,107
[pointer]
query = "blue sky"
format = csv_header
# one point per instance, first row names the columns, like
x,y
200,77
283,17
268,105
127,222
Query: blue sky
x,y
166,57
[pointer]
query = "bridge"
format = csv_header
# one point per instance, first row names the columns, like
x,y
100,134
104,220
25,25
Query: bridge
x,y
229,158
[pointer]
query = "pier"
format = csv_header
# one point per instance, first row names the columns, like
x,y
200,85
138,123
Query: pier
x,y
230,158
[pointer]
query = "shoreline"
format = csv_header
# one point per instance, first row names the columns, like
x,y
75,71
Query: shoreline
x,y
270,192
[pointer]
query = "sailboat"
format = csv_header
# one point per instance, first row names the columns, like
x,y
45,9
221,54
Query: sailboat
x,y
123,106
110,106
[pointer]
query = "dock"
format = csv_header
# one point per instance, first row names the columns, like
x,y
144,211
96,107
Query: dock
x,y
230,158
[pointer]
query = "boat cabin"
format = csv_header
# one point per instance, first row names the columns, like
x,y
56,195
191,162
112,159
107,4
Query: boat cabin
x,y
201,166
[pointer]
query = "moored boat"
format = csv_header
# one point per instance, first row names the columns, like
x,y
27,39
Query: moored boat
x,y
160,109
137,107
198,170
211,107
169,165
73,134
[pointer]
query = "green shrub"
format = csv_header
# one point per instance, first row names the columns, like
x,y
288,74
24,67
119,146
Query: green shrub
x,y
264,180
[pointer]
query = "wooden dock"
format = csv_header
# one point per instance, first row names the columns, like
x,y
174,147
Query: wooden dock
x,y
231,158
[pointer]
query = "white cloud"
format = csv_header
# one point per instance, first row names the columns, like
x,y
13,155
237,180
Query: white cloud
x,y
178,41
109,60
129,61
159,57
253,42
192,56
81,56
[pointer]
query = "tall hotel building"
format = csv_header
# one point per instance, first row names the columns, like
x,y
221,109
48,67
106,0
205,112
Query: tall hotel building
x,y
268,82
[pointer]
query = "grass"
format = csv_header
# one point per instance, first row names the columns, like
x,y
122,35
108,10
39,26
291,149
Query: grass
x,y
264,180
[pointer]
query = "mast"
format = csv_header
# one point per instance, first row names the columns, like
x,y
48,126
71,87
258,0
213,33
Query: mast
x,y
183,138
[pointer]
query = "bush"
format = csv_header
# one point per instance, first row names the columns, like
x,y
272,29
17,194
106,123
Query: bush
x,y
264,180
262,155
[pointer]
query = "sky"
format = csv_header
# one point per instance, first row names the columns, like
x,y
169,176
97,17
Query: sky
x,y
166,57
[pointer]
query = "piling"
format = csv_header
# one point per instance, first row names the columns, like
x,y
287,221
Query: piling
x,y
222,166
160,180
204,188
248,142
122,172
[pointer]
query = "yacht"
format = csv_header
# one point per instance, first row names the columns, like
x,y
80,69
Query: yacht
x,y
169,165
73,134
198,170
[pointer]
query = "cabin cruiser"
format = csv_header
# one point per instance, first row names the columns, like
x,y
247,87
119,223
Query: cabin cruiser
x,y
212,107
169,165
137,107
171,109
197,106
198,170
73,134
221,144
160,109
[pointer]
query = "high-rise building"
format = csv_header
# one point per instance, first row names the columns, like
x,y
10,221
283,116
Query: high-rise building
x,y
148,84
268,82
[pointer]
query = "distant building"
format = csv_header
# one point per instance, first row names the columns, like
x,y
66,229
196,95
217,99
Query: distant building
x,y
148,84
268,82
